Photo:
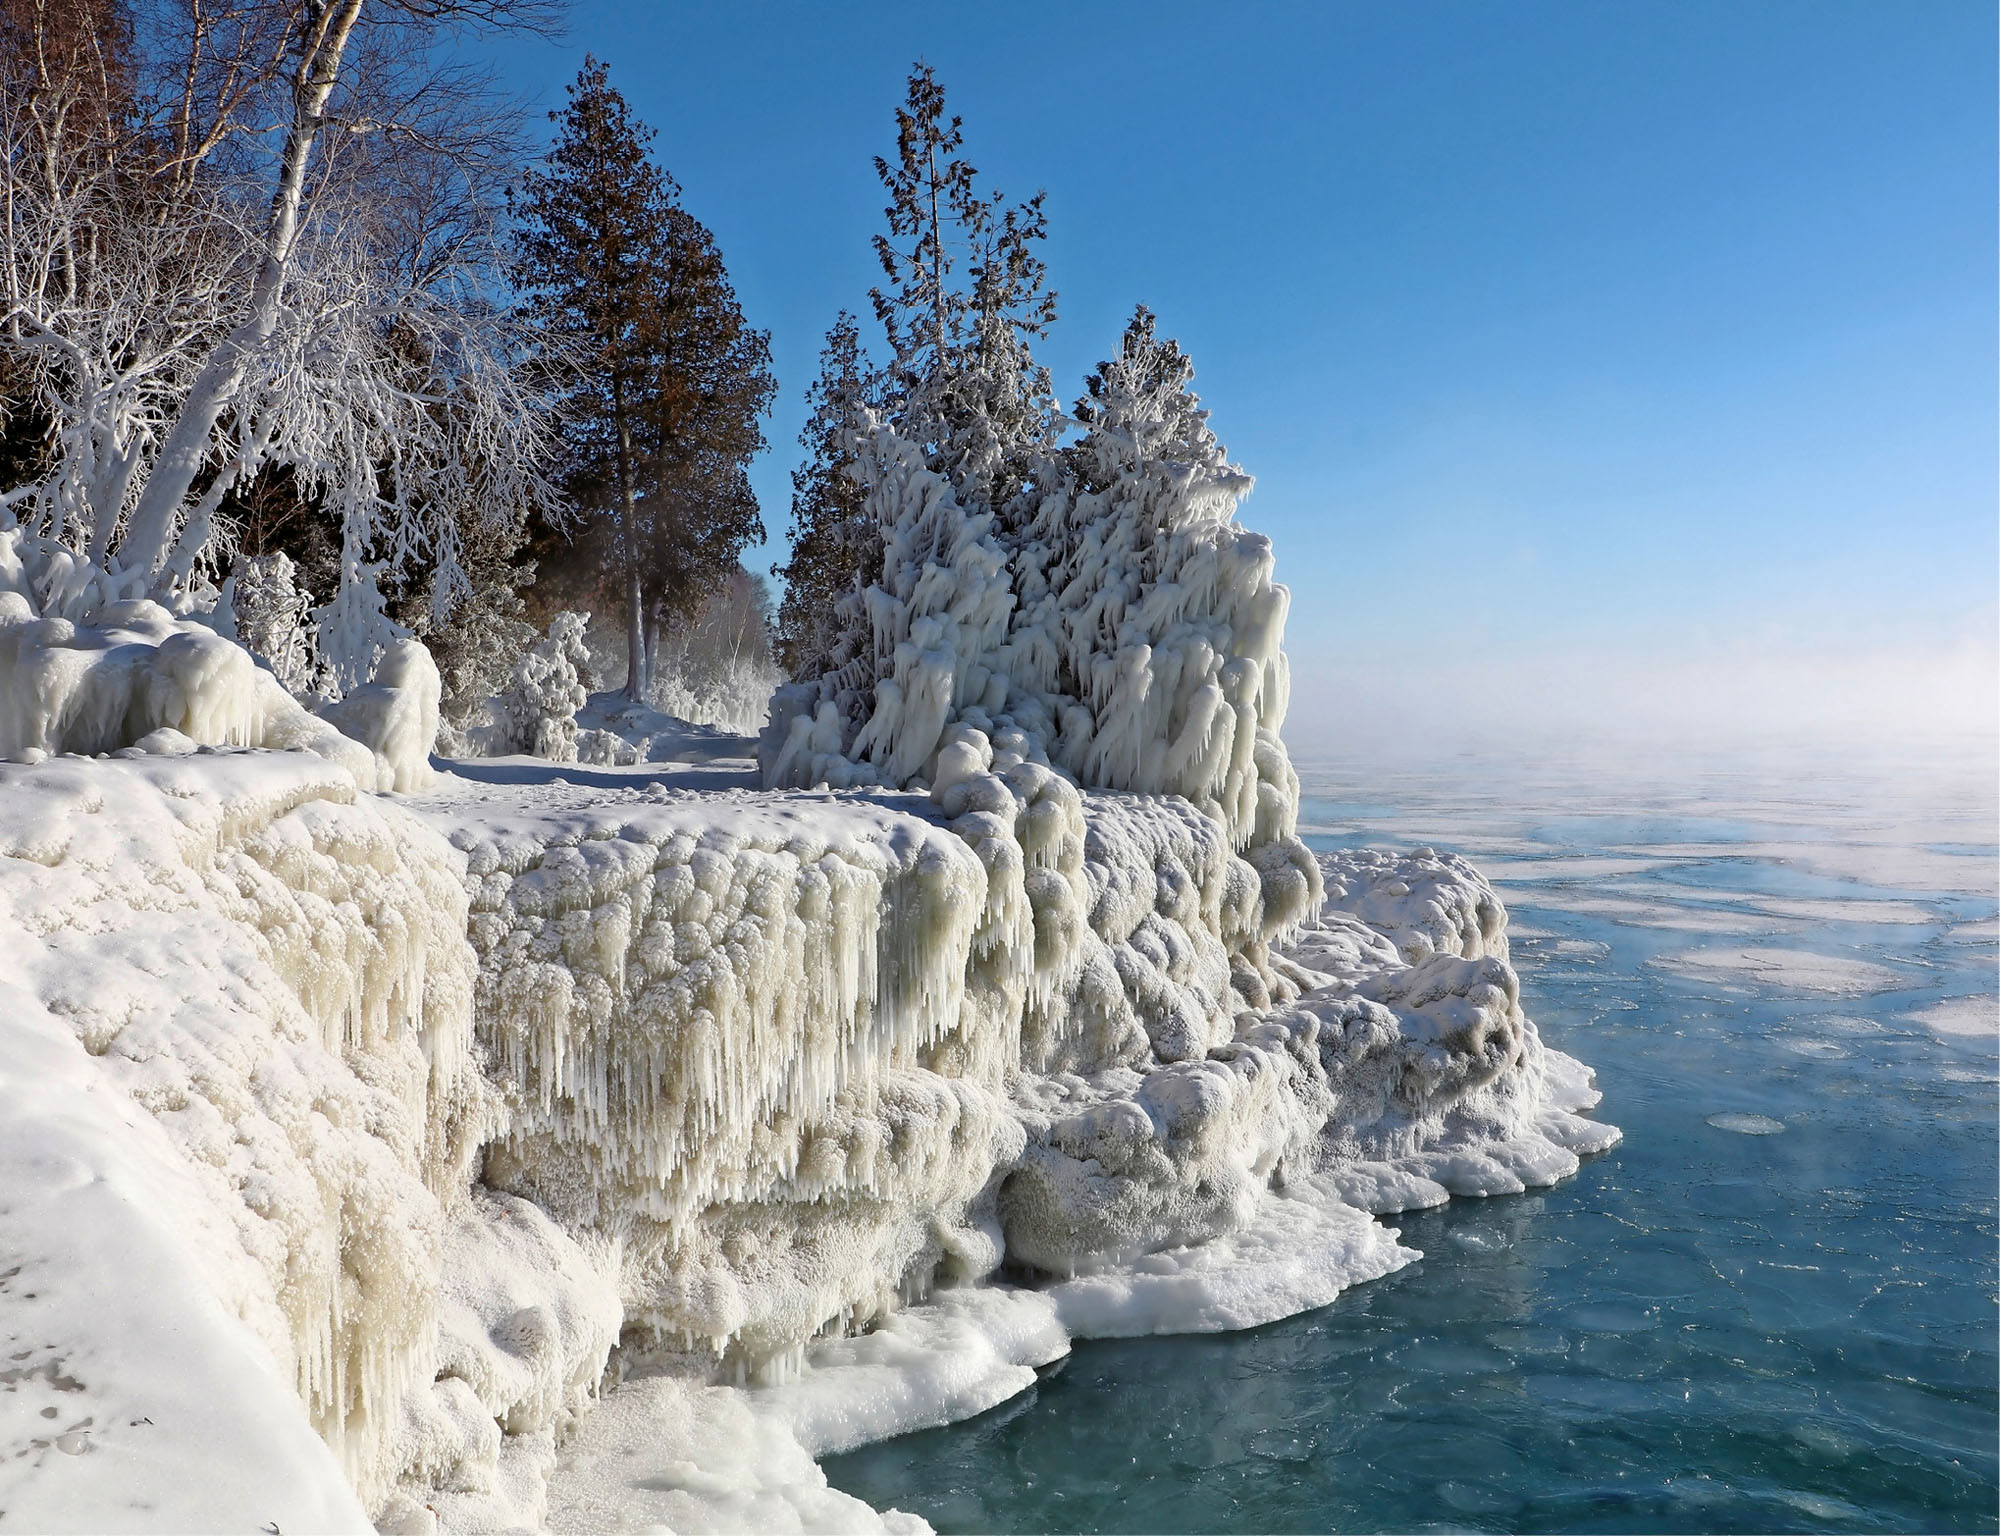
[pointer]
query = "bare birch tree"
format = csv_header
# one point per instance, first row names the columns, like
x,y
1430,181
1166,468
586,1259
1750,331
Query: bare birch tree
x,y
272,246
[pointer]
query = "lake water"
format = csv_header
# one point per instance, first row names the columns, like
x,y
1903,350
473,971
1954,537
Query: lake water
x,y
1772,1308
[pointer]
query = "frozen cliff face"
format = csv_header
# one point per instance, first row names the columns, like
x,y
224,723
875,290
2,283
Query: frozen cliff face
x,y
268,973
712,1019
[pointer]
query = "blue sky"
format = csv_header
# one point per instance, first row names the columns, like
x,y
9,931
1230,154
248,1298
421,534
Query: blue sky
x,y
1593,360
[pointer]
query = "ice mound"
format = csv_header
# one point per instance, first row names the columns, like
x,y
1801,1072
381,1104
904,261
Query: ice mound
x,y
83,671
743,1076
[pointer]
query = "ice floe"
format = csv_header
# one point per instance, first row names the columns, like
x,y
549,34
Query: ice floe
x,y
1790,970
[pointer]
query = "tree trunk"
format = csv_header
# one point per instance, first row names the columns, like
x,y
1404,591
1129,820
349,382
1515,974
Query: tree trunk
x,y
328,24
636,682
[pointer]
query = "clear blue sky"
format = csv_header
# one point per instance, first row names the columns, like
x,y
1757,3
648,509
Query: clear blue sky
x,y
1567,342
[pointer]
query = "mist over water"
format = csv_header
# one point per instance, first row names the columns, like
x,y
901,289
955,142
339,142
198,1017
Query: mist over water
x,y
1773,1307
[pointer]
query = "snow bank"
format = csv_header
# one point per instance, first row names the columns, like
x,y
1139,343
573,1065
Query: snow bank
x,y
81,672
238,960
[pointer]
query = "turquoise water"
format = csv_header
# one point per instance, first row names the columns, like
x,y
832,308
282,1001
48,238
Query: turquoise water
x,y
1705,1330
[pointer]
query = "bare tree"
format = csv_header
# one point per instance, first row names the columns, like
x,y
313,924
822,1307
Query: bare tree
x,y
272,247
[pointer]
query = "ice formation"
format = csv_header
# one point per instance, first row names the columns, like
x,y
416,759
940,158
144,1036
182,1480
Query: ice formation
x,y
794,1104
84,670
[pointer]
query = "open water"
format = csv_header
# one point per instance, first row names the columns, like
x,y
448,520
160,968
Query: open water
x,y
1773,1308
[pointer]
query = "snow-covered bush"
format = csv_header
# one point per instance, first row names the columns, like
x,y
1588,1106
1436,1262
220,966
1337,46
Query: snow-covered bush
x,y
537,712
269,609
476,637
139,679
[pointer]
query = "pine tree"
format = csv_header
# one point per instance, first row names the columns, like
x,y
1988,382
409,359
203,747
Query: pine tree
x,y
963,382
835,553
585,250
664,415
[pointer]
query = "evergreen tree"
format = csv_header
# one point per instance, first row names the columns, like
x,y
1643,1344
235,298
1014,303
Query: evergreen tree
x,y
835,553
663,416
701,429
968,297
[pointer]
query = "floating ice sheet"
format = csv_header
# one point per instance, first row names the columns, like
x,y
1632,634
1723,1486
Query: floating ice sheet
x,y
1747,1125
1978,1014
1787,970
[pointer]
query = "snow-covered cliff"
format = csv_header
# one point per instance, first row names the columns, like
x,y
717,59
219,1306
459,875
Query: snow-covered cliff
x,y
567,1144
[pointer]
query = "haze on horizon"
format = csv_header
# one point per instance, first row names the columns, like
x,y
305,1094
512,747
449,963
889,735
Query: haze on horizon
x,y
1606,371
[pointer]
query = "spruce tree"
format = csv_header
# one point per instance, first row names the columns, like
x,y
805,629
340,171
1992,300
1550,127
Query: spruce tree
x,y
834,552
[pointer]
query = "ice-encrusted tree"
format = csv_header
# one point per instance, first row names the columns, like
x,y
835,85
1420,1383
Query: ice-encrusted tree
x,y
967,296
1153,617
836,551
234,264
1130,625
665,411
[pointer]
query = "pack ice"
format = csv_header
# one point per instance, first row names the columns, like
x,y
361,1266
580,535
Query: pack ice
x,y
525,1145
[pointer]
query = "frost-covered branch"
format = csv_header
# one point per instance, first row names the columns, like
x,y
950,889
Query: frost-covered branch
x,y
205,285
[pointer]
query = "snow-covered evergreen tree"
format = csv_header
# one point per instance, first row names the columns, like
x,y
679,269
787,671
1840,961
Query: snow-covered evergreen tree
x,y
1131,626
536,712
269,611
968,295
836,551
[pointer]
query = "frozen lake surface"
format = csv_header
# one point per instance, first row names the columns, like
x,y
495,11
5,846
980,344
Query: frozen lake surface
x,y
1772,1308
